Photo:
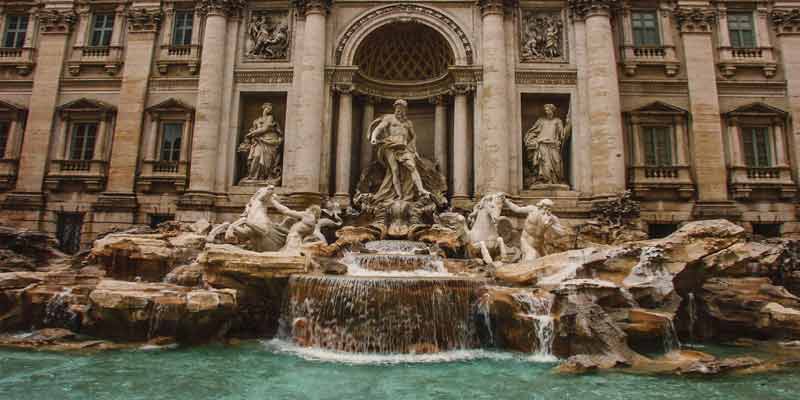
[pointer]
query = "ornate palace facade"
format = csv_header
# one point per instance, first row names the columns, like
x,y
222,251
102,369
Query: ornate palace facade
x,y
116,113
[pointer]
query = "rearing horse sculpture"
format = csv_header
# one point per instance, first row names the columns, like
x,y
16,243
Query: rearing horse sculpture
x,y
255,227
484,233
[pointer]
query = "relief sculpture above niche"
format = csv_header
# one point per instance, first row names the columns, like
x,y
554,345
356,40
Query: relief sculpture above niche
x,y
267,36
542,36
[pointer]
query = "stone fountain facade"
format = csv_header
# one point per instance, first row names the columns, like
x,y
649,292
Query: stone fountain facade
x,y
181,110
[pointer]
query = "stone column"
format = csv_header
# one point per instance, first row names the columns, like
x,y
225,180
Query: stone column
x,y
344,144
55,26
30,32
786,22
492,156
461,147
605,114
680,141
209,102
116,33
780,149
143,27
706,138
303,147
367,118
440,132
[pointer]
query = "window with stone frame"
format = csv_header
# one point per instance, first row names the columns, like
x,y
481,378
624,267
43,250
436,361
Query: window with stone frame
x,y
741,29
5,128
757,146
171,136
102,30
645,28
657,142
182,28
83,136
15,31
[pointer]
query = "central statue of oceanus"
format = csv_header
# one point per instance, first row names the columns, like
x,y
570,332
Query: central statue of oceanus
x,y
400,190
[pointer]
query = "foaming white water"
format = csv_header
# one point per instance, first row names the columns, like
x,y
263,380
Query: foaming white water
x,y
430,267
324,355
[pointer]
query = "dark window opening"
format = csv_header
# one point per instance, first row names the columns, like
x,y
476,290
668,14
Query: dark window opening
x,y
767,230
102,29
158,219
68,232
658,231
16,29
182,28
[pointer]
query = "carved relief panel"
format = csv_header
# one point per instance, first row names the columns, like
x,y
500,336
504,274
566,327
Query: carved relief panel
x,y
267,36
541,36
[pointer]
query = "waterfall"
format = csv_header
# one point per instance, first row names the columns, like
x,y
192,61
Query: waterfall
x,y
484,308
157,318
691,310
671,341
396,247
367,264
381,315
58,313
538,308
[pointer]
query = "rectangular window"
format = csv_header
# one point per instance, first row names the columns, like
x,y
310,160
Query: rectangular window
x,y
171,133
4,133
16,27
645,28
182,29
84,135
740,26
158,219
657,145
102,28
757,146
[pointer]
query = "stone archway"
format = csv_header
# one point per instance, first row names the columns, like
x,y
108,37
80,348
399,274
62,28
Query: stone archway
x,y
349,41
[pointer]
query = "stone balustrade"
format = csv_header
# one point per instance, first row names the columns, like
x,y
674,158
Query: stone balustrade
x,y
92,174
164,173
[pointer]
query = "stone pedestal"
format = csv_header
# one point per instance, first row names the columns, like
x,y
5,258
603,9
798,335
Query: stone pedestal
x,y
492,150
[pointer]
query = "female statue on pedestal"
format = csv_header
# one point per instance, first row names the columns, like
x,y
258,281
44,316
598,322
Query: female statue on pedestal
x,y
544,143
262,145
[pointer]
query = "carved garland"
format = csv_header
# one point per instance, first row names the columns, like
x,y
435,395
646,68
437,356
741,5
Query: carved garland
x,y
786,21
143,20
695,19
405,9
221,7
584,8
55,21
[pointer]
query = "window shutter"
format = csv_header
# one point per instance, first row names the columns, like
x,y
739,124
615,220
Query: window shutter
x,y
649,151
663,146
4,127
747,145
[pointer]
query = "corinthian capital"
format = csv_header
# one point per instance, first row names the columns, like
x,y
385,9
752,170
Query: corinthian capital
x,y
56,21
786,21
695,19
586,8
221,7
142,19
305,7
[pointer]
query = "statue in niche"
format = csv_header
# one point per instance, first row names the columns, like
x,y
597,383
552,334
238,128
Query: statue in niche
x,y
400,189
541,37
268,36
262,145
544,145
541,229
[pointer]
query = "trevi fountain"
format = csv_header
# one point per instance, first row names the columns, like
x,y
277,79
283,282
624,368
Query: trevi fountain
x,y
398,283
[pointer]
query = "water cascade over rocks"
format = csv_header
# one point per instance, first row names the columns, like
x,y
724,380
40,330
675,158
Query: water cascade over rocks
x,y
397,299
539,309
381,315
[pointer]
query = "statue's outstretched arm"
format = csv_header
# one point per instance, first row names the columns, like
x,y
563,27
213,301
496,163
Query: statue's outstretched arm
x,y
517,209
285,210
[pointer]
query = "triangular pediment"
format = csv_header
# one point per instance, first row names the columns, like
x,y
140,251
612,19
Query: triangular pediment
x,y
170,105
659,107
6,106
757,109
86,105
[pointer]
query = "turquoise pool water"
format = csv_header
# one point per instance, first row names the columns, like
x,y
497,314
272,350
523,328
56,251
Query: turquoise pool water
x,y
274,370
